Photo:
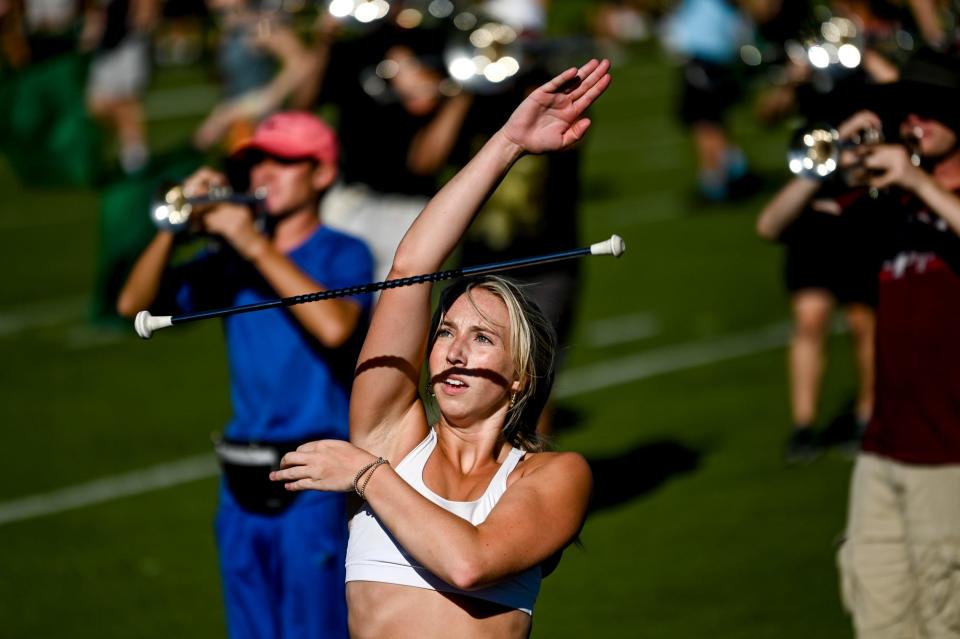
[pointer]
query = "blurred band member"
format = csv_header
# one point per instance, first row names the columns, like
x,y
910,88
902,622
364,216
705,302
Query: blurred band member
x,y
290,370
397,127
828,264
898,562
119,74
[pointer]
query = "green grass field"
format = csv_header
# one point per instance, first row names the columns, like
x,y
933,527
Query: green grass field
x,y
700,530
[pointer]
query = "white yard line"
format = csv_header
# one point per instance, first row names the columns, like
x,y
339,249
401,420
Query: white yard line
x,y
612,331
575,382
42,314
61,311
109,488
669,359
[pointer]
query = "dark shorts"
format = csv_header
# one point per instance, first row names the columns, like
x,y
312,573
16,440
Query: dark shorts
x,y
851,279
707,91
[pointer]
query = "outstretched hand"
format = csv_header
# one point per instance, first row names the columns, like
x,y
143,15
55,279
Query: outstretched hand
x,y
550,118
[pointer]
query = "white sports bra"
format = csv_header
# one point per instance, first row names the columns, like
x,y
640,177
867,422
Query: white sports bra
x,y
374,555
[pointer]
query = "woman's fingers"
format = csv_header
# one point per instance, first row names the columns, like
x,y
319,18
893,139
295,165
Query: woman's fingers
x,y
302,484
294,458
555,85
593,87
589,74
576,131
291,474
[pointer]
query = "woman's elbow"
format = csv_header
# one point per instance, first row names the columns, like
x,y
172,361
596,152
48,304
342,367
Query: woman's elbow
x,y
467,574
404,264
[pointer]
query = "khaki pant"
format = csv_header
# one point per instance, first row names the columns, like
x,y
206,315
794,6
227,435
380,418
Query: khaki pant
x,y
900,561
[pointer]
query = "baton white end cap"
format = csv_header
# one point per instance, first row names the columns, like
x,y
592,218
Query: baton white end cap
x,y
145,323
615,246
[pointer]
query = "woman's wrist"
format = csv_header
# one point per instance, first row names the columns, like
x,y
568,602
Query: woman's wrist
x,y
365,474
509,150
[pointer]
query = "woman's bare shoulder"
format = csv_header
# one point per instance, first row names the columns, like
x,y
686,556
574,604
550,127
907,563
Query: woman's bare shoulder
x,y
571,465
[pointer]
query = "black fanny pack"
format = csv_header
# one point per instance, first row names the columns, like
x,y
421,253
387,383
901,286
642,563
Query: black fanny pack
x,y
246,470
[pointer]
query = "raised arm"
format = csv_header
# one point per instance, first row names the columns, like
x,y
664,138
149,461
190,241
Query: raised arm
x,y
295,66
143,283
793,198
785,206
330,323
385,389
892,162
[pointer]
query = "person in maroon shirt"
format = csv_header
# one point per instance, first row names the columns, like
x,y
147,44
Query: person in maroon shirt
x,y
900,559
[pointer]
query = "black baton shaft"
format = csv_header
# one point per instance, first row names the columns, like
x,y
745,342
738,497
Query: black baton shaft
x,y
372,287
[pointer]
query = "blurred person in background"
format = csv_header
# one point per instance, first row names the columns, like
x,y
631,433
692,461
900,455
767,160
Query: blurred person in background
x,y
899,572
937,23
120,72
45,128
261,62
828,264
707,35
882,33
397,126
182,37
39,30
822,226
618,23
281,559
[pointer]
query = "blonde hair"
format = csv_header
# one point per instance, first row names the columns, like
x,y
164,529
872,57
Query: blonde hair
x,y
533,345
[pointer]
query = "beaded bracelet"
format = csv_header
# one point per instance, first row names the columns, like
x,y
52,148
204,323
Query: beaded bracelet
x,y
356,478
373,467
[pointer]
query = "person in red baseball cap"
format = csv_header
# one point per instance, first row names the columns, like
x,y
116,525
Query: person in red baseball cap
x,y
281,559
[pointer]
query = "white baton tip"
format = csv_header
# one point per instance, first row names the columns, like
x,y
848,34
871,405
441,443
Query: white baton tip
x,y
615,246
145,323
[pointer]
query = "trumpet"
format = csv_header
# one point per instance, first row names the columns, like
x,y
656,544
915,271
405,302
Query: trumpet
x,y
171,211
484,55
815,153
838,45
358,11
409,14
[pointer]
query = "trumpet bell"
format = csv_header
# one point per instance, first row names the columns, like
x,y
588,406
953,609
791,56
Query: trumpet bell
x,y
836,46
484,56
814,153
171,211
358,12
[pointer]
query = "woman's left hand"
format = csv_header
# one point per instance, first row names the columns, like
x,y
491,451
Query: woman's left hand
x,y
549,119
329,465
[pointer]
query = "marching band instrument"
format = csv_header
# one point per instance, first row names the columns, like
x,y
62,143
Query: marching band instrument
x,y
172,210
815,153
484,55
